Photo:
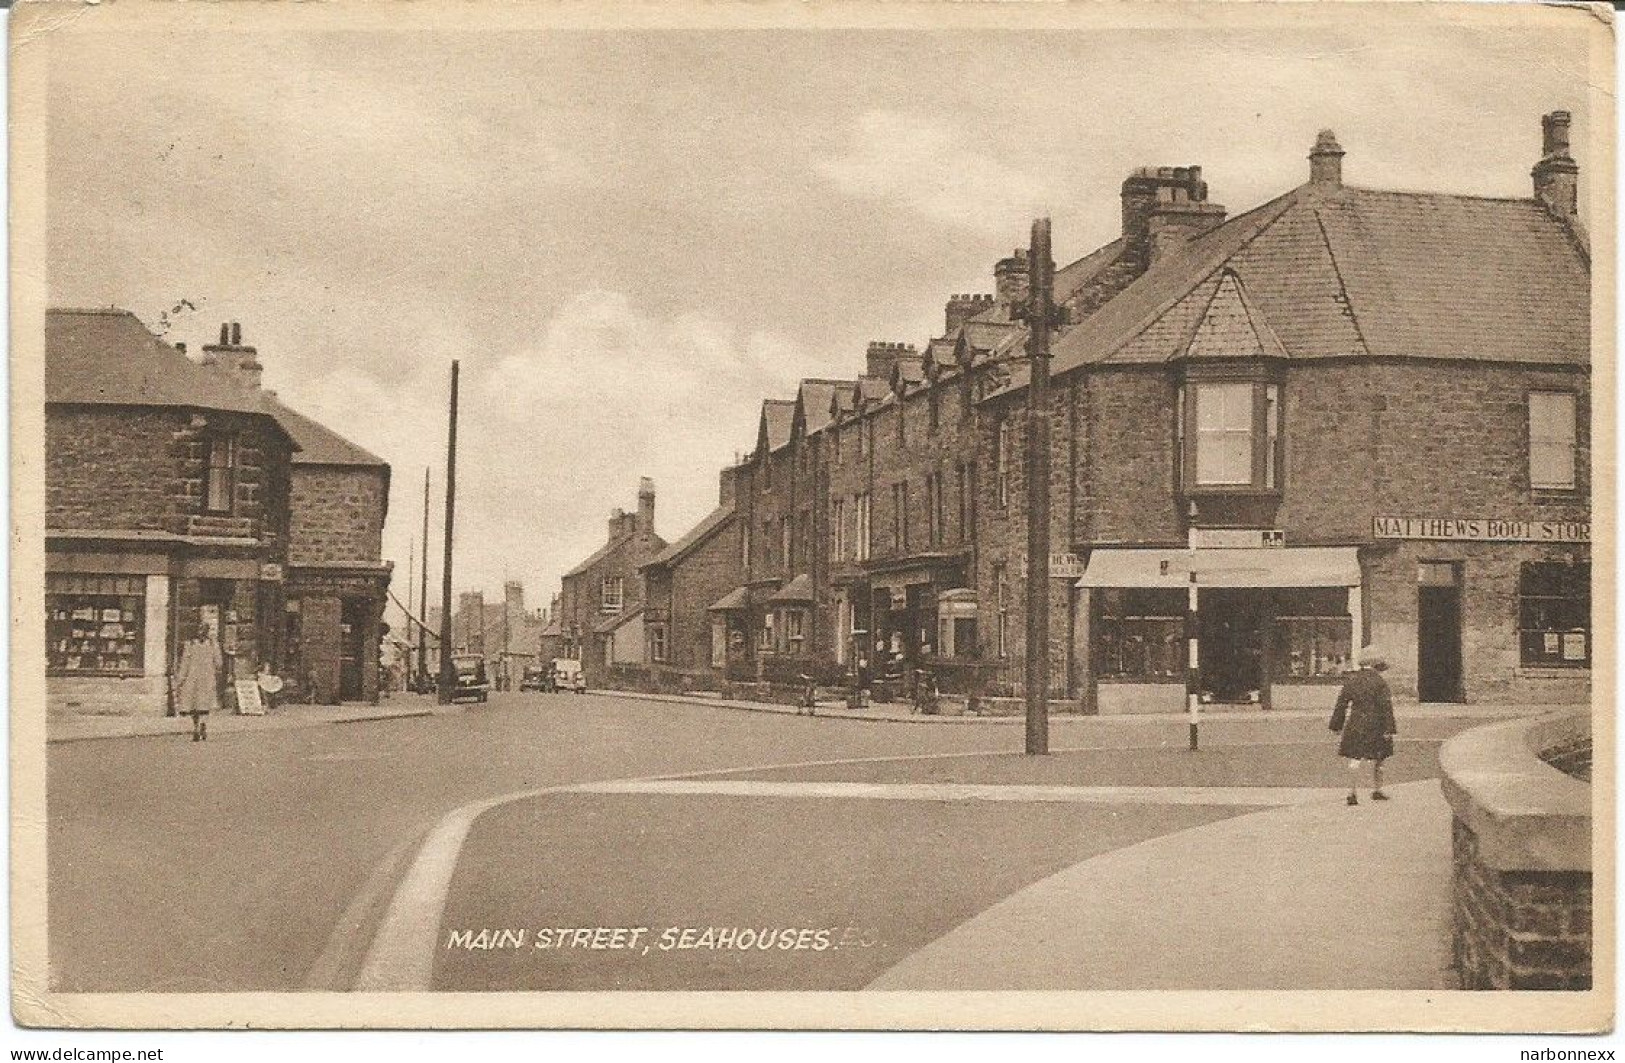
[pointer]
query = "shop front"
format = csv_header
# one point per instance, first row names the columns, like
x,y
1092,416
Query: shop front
x,y
1276,627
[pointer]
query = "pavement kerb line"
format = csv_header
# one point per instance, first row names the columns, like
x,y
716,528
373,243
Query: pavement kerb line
x,y
336,966
1411,711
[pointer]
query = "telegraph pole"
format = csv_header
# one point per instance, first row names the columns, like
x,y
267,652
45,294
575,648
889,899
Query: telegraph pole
x,y
423,595
1040,318
448,673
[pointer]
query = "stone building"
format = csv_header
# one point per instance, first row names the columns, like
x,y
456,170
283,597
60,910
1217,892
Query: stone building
x,y
601,600
337,580
686,590
1357,415
177,493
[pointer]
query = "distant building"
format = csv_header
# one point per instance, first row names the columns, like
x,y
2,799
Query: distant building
x,y
601,602
686,588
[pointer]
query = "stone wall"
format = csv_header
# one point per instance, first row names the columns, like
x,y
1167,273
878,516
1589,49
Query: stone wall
x,y
1521,838
337,514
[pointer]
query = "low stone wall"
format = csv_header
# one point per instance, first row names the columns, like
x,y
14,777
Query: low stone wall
x,y
107,695
1521,838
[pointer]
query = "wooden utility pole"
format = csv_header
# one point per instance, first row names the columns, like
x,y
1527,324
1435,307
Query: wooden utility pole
x,y
448,672
1040,318
422,681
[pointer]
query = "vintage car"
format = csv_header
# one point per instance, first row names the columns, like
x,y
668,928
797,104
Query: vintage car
x,y
471,679
537,677
567,675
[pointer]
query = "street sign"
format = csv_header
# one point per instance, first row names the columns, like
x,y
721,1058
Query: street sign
x,y
1236,538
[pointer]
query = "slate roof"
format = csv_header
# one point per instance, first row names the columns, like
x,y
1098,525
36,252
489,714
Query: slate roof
x,y
711,523
814,397
778,415
108,357
318,444
1337,272
608,624
799,589
599,554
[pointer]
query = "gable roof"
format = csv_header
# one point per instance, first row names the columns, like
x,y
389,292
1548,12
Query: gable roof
x,y
814,397
1326,273
108,357
599,554
709,525
778,415
318,444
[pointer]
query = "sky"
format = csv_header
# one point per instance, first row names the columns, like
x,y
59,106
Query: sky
x,y
630,239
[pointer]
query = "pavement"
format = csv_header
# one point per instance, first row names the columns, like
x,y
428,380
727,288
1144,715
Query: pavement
x,y
67,728
1313,895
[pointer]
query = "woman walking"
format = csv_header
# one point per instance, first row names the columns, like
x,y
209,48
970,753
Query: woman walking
x,y
1365,717
197,681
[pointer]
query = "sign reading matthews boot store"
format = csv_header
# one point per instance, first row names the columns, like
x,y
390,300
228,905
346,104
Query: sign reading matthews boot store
x,y
1482,530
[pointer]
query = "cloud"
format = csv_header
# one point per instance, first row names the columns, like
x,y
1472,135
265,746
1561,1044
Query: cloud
x,y
925,165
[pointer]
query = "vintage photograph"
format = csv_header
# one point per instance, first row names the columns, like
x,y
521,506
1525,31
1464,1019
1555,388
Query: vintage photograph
x,y
822,516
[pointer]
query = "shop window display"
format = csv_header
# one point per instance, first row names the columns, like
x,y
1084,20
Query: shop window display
x,y
95,625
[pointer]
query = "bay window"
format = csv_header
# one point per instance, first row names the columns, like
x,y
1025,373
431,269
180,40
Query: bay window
x,y
1230,435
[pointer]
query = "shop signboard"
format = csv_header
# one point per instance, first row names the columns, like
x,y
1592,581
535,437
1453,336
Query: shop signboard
x,y
1481,529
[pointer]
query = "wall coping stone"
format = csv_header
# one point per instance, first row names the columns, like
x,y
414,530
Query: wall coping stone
x,y
1526,814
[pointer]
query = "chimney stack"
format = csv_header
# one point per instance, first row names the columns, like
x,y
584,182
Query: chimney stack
x,y
1010,279
646,506
961,308
240,363
1326,161
726,491
1163,207
1557,175
882,357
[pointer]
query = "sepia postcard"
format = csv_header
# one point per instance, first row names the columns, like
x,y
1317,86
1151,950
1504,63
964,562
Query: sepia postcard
x,y
812,516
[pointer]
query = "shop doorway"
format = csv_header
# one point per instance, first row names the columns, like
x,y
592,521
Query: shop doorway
x,y
1438,632
1231,626
352,648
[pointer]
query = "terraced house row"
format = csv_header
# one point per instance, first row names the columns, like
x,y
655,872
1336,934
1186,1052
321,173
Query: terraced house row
x,y
1349,415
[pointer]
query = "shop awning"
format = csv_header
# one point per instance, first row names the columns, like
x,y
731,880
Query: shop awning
x,y
1294,566
734,601
799,589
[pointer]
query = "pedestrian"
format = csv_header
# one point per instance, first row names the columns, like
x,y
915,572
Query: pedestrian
x,y
1365,717
197,680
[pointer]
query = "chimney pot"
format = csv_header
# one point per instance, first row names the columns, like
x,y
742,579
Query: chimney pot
x,y
236,334
181,346
225,334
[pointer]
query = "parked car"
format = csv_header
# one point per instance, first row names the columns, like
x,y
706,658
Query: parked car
x,y
567,675
537,677
472,679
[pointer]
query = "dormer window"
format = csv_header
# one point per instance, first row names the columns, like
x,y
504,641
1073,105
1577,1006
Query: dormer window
x,y
1230,435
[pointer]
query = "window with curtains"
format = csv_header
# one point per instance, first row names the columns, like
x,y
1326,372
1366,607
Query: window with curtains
x,y
865,515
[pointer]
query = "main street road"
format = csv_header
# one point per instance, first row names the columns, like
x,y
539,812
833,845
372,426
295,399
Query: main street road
x,y
229,865
261,861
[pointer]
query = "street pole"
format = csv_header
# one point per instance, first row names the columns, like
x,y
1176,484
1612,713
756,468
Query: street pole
x,y
448,674
1193,641
411,581
423,595
1040,316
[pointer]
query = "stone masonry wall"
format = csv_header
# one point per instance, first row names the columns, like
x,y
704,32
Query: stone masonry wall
x,y
1519,929
337,515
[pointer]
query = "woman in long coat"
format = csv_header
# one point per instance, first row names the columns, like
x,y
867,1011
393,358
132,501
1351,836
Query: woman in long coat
x,y
197,680
1365,717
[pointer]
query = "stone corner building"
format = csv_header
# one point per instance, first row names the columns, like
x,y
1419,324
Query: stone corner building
x,y
170,501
